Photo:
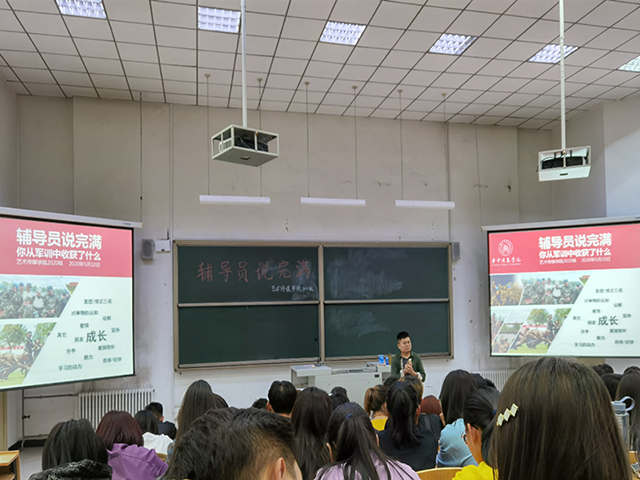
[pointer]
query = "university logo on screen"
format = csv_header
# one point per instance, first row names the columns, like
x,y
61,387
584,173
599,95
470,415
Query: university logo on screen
x,y
505,249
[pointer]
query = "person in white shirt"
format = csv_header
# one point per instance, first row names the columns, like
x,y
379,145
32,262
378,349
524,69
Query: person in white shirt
x,y
28,294
149,426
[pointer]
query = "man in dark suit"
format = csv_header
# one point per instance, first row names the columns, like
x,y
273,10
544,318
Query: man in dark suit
x,y
166,428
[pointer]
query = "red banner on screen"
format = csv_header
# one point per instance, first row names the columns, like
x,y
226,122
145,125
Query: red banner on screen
x,y
30,247
583,248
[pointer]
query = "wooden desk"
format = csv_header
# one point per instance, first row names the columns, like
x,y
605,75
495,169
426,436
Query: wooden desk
x,y
9,465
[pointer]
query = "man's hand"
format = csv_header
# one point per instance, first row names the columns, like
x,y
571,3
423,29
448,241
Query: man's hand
x,y
408,369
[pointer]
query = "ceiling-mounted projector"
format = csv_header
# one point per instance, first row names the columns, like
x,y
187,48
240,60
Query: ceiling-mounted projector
x,y
564,164
245,146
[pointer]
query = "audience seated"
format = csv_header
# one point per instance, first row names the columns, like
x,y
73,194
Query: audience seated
x,y
127,456
375,405
149,426
602,369
479,423
282,397
354,449
430,405
310,417
409,436
73,451
482,382
164,428
260,404
457,386
391,379
611,380
632,368
629,386
338,397
564,426
232,444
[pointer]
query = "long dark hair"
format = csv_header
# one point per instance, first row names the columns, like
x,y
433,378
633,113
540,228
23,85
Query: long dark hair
x,y
479,413
354,445
119,427
197,400
564,426
629,386
374,399
73,441
457,386
310,417
402,403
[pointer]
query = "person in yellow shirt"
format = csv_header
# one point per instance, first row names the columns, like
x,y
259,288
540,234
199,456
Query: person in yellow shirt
x,y
478,416
375,404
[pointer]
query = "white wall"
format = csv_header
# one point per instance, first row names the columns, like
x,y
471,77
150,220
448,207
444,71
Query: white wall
x,y
8,145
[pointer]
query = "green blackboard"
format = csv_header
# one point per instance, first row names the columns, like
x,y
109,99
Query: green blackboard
x,y
386,273
370,329
247,333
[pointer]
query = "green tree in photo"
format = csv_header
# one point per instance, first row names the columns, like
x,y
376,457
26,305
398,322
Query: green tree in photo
x,y
13,335
43,330
561,315
538,316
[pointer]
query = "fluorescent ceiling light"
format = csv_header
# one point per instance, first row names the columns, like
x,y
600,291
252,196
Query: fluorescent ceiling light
x,y
450,44
632,66
234,200
551,54
345,202
82,8
425,204
218,20
342,33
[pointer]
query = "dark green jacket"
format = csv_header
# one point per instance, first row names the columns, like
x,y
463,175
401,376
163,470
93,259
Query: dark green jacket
x,y
416,361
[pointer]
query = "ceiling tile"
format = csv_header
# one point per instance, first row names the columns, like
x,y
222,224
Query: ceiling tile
x,y
214,41
408,115
377,89
544,101
302,28
356,72
218,60
261,45
383,113
276,7
527,8
379,37
401,59
217,76
472,23
592,91
106,66
425,105
42,23
499,67
9,22
538,86
95,28
255,63
307,9
223,91
588,75
632,45
464,96
16,41
96,48
69,63
493,6
275,80
114,94
145,85
612,38
137,52
330,110
481,82
8,74
409,93
75,79
553,73
451,80
488,120
54,44
502,110
264,25
634,83
296,107
34,75
518,99
367,56
178,56
530,70
134,32
579,35
510,122
420,78
614,60
368,101
467,65
434,19
618,93
616,78
139,69
128,11
608,13
44,90
109,81
173,15
492,98
182,88
630,21
22,59
459,4
486,47
295,48
534,124
389,75
274,106
520,51
544,31
510,84
182,74
34,6
394,15
509,27
354,11
476,109
288,66
435,62
584,56
76,91
417,41
277,94
314,98
326,52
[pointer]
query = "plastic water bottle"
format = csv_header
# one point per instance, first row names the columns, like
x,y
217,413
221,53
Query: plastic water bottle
x,y
622,417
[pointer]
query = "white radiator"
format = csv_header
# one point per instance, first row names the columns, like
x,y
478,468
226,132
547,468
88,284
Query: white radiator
x,y
499,377
93,405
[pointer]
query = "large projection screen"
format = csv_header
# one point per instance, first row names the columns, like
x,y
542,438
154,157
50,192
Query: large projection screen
x,y
569,290
66,301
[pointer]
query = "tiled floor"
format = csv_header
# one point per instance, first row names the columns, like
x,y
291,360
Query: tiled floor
x,y
30,462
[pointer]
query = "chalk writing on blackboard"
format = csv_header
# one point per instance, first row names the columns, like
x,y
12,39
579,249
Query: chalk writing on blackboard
x,y
264,271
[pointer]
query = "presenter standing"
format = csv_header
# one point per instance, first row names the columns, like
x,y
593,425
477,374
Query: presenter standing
x,y
406,362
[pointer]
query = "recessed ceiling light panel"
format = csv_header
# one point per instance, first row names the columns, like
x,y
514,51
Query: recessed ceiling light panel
x,y
82,8
342,33
632,66
551,54
217,20
451,44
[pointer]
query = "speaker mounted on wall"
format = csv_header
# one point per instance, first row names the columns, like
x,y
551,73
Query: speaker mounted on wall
x,y
148,248
455,251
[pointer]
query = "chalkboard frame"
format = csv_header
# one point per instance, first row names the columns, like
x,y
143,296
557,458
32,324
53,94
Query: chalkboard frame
x,y
321,302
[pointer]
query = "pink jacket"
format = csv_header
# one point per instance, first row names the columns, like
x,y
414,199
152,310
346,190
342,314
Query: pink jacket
x,y
131,462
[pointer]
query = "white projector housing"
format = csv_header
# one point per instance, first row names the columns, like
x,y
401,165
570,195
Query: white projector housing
x,y
564,164
244,146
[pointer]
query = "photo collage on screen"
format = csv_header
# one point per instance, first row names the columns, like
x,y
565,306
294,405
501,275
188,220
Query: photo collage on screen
x,y
529,309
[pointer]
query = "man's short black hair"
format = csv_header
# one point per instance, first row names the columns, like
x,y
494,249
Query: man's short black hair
x,y
282,396
402,336
156,408
260,404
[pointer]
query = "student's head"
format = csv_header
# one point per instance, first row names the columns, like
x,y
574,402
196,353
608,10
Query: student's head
x,y
482,382
157,410
629,386
197,400
310,417
119,427
375,400
73,441
147,421
415,383
478,421
338,397
391,379
282,397
632,368
404,343
564,426
602,369
430,405
611,380
457,386
403,407
232,444
260,404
